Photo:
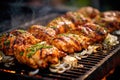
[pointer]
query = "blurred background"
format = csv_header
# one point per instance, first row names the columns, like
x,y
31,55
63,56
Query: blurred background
x,y
16,12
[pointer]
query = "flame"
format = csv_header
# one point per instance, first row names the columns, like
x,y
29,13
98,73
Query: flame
x,y
21,73
9,71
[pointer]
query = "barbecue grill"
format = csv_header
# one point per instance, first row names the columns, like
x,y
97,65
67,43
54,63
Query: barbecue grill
x,y
96,65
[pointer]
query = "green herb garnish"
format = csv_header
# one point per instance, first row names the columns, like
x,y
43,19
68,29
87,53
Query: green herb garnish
x,y
62,34
7,42
76,36
54,27
35,48
102,24
21,53
22,31
97,28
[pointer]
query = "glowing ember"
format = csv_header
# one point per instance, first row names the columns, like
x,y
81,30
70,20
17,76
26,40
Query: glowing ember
x,y
9,71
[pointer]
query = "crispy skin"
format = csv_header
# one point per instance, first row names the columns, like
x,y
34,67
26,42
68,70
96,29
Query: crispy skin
x,y
25,37
115,14
92,31
6,43
61,25
77,18
37,56
42,33
110,20
70,43
8,40
89,12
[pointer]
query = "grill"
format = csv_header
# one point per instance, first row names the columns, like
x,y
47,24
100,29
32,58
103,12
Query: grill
x,y
95,65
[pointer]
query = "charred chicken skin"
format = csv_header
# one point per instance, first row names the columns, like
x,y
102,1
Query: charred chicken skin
x,y
7,40
6,43
110,20
92,31
77,18
70,43
89,12
61,25
42,33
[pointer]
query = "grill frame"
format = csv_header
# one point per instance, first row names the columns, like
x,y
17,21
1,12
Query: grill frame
x,y
95,66
104,66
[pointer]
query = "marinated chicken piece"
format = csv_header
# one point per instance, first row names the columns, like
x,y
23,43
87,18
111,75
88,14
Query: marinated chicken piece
x,y
76,18
39,55
42,33
115,14
61,25
70,43
109,25
89,12
109,20
7,41
25,37
93,31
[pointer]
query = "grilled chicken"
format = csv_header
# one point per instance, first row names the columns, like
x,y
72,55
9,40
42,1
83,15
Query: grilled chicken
x,y
89,12
67,22
61,25
70,43
91,30
7,40
39,55
115,14
42,33
6,43
77,18
109,20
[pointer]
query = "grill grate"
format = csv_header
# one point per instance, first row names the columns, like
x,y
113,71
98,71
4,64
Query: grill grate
x,y
76,73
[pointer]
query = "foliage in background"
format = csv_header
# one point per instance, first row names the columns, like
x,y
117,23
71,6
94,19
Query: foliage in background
x,y
78,3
